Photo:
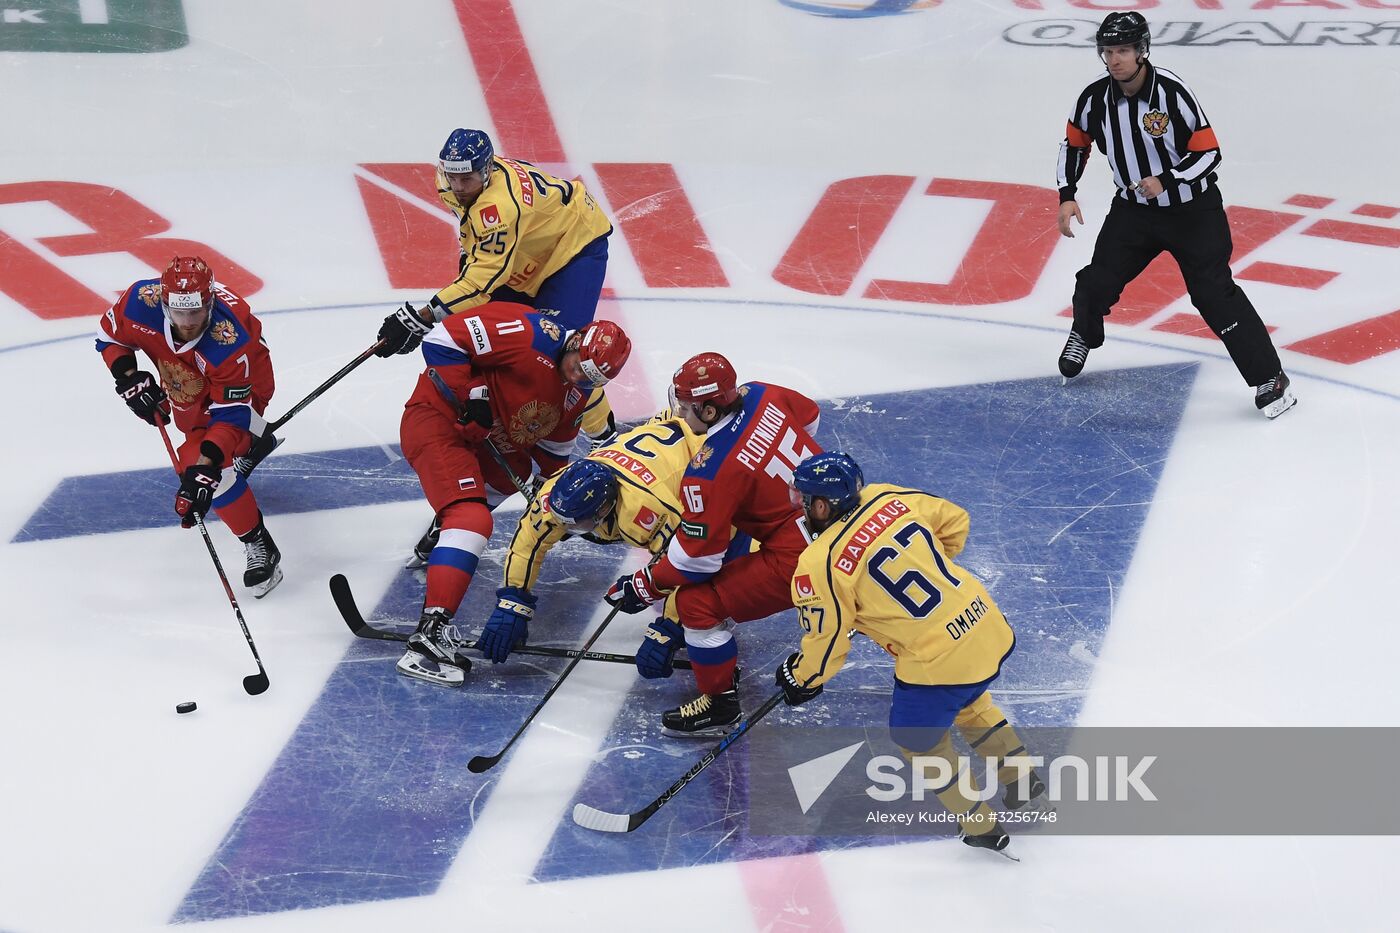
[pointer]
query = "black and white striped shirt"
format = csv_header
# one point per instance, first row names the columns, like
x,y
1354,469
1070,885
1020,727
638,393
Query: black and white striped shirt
x,y
1161,130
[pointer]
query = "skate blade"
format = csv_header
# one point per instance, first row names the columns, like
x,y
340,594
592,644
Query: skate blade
x,y
1281,405
414,665
414,562
709,732
268,585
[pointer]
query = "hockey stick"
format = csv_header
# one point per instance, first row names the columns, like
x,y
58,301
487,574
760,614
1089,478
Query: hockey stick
x,y
266,443
593,818
253,684
320,390
350,612
486,762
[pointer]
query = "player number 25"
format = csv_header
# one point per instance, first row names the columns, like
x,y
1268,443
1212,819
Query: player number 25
x,y
913,578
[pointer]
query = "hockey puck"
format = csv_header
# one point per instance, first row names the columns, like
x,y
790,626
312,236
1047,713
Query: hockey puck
x,y
186,707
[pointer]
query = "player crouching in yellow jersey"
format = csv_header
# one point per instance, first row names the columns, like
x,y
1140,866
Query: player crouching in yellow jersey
x,y
881,564
625,492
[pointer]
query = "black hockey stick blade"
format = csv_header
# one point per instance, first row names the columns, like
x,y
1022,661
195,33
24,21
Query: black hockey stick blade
x,y
483,763
350,612
605,822
255,684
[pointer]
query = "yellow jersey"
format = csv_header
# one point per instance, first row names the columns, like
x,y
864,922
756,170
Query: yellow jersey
x,y
887,572
524,227
649,461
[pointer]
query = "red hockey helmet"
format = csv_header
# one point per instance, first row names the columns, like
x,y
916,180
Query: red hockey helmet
x,y
187,289
706,378
602,352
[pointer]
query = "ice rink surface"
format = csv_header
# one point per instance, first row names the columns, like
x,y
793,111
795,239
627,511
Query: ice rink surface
x,y
853,199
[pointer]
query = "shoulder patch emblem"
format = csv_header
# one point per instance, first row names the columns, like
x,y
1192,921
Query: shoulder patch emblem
x,y
646,519
702,456
490,216
223,333
551,328
695,530
802,584
1155,122
150,294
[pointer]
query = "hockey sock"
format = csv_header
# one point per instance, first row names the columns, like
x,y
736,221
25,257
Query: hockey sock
x,y
984,726
466,527
713,654
235,504
976,818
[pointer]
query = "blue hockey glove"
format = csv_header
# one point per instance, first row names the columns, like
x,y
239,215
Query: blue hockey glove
x,y
509,624
654,658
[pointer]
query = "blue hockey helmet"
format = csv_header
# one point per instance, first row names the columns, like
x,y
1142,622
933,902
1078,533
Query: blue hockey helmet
x,y
833,476
583,493
467,151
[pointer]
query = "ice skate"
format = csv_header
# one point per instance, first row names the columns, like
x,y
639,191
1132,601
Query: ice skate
x,y
1072,357
996,841
264,568
424,547
432,651
256,454
1273,397
706,716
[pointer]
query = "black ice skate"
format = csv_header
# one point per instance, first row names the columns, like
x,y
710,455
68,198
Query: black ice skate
x,y
431,654
256,454
994,841
707,715
425,546
264,569
1072,357
1031,798
1273,397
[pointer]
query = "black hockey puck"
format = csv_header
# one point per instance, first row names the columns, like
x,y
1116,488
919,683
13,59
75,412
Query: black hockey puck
x,y
186,707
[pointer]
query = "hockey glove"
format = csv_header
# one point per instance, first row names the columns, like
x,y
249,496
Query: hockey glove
x,y
144,396
633,593
476,419
197,486
509,624
794,694
659,645
610,434
402,331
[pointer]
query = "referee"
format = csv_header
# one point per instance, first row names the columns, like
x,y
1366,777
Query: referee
x,y
1163,153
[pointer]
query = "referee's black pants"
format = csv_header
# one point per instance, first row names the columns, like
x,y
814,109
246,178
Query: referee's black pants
x,y
1197,234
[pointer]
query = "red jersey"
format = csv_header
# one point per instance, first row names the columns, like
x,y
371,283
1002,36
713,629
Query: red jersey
x,y
512,351
740,478
222,379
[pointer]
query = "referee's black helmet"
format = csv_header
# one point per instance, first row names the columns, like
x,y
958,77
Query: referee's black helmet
x,y
1124,29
